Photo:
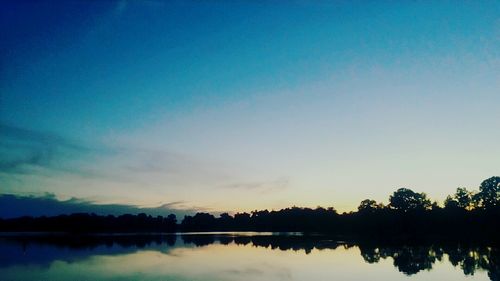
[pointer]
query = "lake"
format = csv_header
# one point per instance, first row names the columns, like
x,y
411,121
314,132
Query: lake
x,y
239,256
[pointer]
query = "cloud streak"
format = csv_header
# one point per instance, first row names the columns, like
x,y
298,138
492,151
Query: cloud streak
x,y
32,162
31,152
23,149
261,186
25,153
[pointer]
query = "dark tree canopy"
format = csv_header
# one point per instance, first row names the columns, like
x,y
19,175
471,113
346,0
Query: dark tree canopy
x,y
409,213
369,205
462,199
489,192
450,203
405,199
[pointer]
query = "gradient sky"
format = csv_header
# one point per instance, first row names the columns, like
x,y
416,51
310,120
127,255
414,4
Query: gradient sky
x,y
242,105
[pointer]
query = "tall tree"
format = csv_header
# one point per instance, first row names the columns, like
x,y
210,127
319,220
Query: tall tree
x,y
464,198
405,199
489,192
368,206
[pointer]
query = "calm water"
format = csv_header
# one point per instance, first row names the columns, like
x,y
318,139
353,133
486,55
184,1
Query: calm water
x,y
238,257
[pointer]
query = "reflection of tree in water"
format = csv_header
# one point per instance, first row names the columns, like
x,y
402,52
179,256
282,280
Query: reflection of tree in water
x,y
199,240
494,265
413,259
468,259
407,258
295,243
477,258
370,254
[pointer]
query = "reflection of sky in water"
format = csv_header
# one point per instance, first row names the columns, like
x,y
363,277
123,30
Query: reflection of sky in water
x,y
159,261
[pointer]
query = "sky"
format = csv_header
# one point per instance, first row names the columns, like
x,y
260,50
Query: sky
x,y
243,105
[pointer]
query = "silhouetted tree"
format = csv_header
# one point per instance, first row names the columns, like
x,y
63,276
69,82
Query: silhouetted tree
x,y
435,206
451,203
198,222
406,199
489,192
369,206
462,199
409,214
225,220
172,218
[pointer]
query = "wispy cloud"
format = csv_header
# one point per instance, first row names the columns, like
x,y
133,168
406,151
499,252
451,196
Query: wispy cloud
x,y
34,161
23,149
261,186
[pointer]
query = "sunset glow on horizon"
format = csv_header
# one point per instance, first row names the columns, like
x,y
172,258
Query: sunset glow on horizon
x,y
225,106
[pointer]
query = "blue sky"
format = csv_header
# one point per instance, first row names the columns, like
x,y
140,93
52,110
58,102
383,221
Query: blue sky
x,y
237,105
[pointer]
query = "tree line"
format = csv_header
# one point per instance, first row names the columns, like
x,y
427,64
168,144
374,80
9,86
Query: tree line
x,y
465,213
91,223
408,213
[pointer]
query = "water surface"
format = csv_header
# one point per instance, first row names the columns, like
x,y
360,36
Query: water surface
x,y
239,256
